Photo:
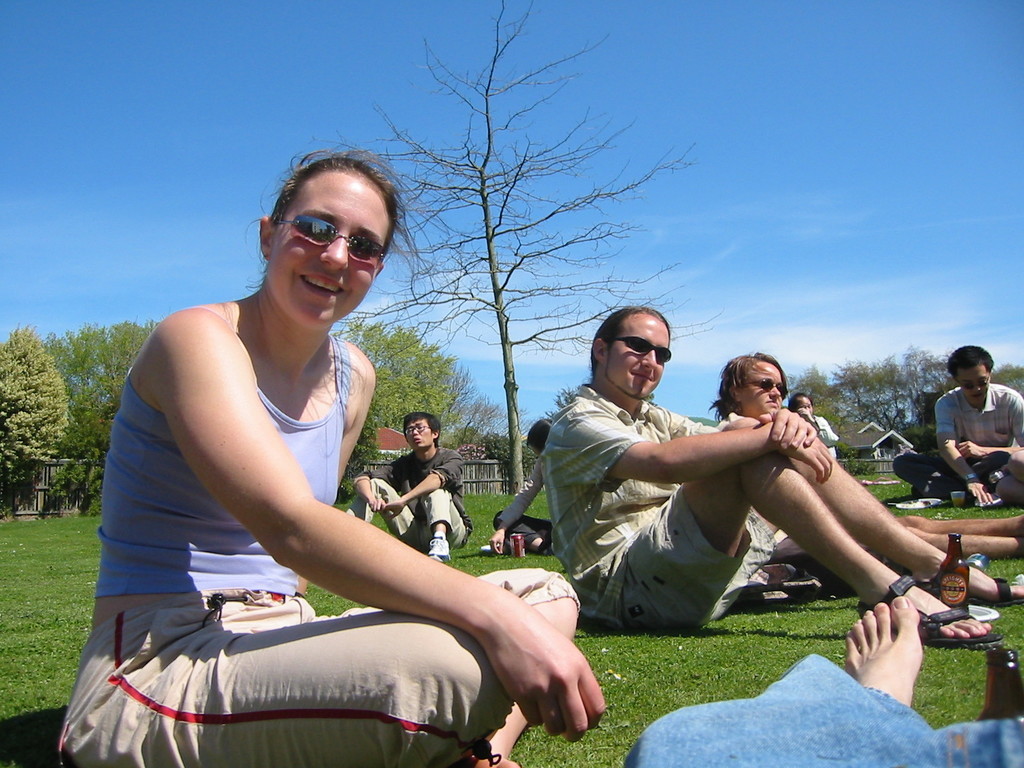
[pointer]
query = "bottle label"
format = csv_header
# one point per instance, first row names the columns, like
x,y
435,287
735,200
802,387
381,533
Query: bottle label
x,y
953,589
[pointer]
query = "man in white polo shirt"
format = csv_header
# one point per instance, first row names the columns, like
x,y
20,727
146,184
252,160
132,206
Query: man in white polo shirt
x,y
978,427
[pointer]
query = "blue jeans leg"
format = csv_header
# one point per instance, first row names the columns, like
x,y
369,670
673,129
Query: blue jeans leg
x,y
817,715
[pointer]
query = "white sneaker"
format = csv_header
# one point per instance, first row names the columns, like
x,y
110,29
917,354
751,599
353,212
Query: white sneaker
x,y
439,550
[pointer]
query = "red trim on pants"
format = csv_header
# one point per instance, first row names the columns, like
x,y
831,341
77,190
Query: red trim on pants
x,y
199,718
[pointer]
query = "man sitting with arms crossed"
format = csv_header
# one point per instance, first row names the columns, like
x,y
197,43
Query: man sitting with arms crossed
x,y
426,510
978,427
652,511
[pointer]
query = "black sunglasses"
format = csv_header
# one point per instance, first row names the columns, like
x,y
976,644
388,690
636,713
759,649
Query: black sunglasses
x,y
324,233
769,384
972,385
642,346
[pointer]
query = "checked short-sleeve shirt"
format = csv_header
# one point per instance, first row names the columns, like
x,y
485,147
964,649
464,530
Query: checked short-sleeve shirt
x,y
595,517
999,424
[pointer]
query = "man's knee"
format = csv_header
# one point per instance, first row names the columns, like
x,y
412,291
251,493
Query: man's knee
x,y
440,508
916,462
1016,465
903,467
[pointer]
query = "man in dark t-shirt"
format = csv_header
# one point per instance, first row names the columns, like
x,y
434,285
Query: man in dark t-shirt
x,y
418,494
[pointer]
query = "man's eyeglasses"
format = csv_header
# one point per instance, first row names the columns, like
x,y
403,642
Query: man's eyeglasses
x,y
769,384
324,233
642,346
972,385
412,429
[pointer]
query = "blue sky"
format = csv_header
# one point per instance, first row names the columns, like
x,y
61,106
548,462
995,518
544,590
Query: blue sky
x,y
858,184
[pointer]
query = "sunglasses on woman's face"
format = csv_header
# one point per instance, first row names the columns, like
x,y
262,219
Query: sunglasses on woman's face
x,y
768,385
324,233
642,346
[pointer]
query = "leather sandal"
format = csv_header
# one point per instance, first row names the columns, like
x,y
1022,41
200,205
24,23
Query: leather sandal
x,y
932,623
1005,596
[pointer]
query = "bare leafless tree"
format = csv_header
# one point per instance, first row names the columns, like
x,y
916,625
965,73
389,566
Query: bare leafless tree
x,y
514,244
476,415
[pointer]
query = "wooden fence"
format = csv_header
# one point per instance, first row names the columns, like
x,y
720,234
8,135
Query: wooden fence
x,y
478,477
39,499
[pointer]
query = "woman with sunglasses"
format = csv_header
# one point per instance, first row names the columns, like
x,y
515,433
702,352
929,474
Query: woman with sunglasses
x,y
753,388
235,426
751,385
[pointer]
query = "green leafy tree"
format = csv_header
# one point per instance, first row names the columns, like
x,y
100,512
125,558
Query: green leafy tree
x,y
33,409
414,375
851,462
922,437
895,393
563,397
924,380
94,361
815,383
871,391
1011,376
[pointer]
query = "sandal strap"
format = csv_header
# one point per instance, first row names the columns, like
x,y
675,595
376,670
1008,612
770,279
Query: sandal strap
x,y
1005,593
942,618
898,588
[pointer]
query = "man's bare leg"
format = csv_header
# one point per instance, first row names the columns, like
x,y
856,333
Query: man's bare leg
x,y
983,526
870,523
994,546
873,525
784,497
883,650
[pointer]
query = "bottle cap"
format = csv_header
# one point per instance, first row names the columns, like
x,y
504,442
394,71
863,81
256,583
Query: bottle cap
x,y
1002,656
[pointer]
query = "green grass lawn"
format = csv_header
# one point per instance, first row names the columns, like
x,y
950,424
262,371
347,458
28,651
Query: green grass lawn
x,y
49,571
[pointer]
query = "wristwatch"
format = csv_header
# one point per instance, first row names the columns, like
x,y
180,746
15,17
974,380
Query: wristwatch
x,y
970,477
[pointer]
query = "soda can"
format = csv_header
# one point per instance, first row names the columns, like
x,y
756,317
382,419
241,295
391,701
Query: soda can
x,y
979,561
518,545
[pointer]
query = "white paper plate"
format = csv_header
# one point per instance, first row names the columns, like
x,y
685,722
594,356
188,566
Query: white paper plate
x,y
983,612
918,504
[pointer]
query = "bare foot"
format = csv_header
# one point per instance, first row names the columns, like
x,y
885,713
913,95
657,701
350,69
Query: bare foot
x,y
506,737
984,587
883,649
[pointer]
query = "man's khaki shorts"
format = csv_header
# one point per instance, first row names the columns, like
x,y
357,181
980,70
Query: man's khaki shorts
x,y
675,578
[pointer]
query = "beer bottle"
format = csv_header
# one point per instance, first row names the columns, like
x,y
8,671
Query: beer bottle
x,y
1004,692
954,575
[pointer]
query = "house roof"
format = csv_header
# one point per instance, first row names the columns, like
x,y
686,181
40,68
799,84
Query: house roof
x,y
868,434
391,440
